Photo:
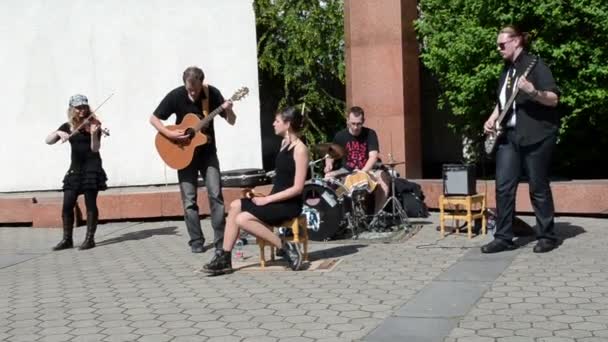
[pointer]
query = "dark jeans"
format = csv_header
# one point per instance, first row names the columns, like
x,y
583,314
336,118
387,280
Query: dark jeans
x,y
69,202
208,166
535,160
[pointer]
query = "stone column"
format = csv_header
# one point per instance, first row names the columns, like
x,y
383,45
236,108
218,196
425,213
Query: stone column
x,y
382,76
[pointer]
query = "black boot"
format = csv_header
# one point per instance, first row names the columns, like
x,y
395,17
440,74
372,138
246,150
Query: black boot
x,y
89,240
220,264
67,241
293,255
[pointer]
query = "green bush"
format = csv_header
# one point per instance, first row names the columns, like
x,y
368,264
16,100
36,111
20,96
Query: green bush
x,y
301,59
458,40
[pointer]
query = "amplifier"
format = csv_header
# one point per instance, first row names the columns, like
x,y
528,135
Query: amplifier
x,y
459,179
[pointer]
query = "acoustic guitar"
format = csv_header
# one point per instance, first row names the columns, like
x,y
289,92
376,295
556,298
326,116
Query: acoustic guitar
x,y
179,154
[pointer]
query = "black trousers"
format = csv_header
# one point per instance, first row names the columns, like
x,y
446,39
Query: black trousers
x,y
511,160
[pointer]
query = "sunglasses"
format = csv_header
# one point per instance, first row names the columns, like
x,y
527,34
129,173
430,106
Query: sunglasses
x,y
502,45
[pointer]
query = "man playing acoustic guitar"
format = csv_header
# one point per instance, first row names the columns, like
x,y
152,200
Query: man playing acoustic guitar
x,y
195,97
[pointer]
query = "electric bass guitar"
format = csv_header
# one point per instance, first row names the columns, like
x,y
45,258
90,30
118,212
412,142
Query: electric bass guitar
x,y
492,137
179,154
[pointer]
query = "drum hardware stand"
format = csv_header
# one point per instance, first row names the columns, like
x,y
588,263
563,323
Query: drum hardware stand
x,y
356,218
397,208
312,165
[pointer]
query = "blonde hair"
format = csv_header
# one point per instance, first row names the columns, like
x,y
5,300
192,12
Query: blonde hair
x,y
73,119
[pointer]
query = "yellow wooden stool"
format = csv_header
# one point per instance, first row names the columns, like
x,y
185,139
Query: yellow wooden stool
x,y
299,227
474,207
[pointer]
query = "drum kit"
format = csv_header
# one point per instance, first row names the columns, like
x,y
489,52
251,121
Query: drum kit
x,y
343,206
335,207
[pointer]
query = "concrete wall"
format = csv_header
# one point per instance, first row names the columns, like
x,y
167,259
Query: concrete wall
x,y
135,49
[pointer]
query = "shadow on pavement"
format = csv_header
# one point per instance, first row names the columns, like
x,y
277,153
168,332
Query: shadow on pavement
x,y
140,235
335,252
564,231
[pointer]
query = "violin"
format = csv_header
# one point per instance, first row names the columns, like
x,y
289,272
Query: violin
x,y
86,126
93,120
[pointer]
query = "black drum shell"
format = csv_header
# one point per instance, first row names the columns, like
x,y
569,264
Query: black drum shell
x,y
323,209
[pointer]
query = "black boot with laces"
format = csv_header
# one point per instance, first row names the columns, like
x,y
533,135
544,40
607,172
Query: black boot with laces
x,y
292,254
220,264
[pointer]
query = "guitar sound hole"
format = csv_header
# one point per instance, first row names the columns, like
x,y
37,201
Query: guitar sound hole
x,y
190,133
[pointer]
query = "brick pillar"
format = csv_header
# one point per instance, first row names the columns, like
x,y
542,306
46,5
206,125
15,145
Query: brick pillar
x,y
382,75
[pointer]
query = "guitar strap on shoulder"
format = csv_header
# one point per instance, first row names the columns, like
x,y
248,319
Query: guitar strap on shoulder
x,y
206,100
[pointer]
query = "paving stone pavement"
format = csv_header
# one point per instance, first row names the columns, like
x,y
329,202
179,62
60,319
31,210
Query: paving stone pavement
x,y
560,296
141,284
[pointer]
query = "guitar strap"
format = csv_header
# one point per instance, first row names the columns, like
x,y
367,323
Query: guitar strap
x,y
206,100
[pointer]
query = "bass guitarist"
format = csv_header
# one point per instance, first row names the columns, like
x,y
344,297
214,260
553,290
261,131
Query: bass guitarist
x,y
528,140
197,98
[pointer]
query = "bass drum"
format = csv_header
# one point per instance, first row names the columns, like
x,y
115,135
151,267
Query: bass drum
x,y
323,209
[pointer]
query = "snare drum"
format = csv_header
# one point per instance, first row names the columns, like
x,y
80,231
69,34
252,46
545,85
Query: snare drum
x,y
323,208
359,181
244,178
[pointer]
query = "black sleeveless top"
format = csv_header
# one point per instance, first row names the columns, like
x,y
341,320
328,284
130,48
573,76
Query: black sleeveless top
x,y
278,212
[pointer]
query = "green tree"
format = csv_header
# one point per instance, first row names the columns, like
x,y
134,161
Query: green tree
x,y
458,46
301,60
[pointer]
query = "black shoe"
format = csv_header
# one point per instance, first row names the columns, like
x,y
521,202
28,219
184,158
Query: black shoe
x,y
221,263
64,244
544,246
198,246
497,245
292,255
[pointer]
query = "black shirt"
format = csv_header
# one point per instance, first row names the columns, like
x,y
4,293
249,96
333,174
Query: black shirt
x,y
357,147
177,102
534,121
81,154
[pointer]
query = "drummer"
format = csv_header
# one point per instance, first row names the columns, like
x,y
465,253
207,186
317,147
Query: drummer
x,y
361,154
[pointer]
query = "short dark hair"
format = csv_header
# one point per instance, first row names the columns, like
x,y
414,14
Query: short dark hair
x,y
356,111
294,116
193,73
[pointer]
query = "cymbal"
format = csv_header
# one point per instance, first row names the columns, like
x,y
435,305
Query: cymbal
x,y
334,151
393,163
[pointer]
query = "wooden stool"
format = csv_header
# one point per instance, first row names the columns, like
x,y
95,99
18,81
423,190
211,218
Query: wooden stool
x,y
298,225
467,213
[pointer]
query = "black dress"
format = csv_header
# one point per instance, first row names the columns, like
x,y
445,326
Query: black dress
x,y
277,212
86,172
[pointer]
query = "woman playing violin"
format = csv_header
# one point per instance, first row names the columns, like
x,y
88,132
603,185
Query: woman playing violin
x,y
86,174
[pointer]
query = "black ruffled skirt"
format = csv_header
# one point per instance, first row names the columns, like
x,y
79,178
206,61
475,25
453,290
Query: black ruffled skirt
x,y
87,177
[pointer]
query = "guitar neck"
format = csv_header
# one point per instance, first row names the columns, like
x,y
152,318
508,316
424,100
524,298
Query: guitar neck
x,y
207,119
509,103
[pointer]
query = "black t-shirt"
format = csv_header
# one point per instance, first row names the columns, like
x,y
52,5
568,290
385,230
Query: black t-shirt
x,y
357,147
177,102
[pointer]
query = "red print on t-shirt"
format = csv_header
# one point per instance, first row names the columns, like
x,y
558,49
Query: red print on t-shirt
x,y
357,154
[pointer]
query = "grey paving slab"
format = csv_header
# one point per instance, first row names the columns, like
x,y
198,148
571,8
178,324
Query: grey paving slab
x,y
435,311
141,283
412,329
442,299
14,259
